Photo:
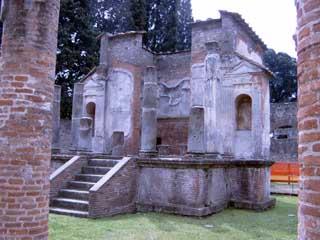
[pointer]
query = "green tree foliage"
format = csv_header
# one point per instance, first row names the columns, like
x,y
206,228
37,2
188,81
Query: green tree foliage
x,y
283,87
139,14
165,21
156,26
77,48
113,16
184,27
168,26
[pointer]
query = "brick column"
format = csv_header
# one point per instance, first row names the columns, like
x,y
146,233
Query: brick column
x,y
27,70
308,46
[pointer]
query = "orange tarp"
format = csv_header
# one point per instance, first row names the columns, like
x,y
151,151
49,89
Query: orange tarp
x,y
285,172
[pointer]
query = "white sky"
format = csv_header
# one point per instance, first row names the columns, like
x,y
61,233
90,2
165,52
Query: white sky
x,y
273,20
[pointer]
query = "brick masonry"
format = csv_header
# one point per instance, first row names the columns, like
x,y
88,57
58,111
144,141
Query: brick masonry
x,y
66,173
26,93
172,136
117,195
308,47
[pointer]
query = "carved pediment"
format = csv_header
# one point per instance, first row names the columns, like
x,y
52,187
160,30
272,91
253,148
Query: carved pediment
x,y
93,84
243,68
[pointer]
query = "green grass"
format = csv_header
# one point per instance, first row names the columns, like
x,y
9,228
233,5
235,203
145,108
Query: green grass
x,y
279,224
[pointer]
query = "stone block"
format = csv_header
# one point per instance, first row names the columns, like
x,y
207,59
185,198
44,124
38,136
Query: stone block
x,y
196,141
118,143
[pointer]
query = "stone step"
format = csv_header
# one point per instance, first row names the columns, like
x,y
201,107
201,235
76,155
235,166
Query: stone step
x,y
69,212
106,157
68,203
88,177
102,162
75,194
79,185
95,170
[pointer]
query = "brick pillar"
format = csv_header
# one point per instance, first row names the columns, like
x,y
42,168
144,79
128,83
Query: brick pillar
x,y
27,70
308,46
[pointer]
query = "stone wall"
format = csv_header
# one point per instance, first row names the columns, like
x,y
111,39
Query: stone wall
x,y
65,135
135,63
172,136
28,58
221,75
174,84
308,47
284,132
200,187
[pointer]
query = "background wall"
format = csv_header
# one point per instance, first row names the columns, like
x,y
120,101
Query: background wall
x,y
284,140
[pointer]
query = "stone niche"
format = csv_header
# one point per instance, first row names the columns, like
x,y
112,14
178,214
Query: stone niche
x,y
244,112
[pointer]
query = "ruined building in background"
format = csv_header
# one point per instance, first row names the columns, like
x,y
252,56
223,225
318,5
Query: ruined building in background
x,y
284,132
197,122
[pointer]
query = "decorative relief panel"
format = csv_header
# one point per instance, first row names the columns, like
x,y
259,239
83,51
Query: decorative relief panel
x,y
175,99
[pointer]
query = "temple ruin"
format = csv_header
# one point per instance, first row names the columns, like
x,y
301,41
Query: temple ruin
x,y
192,126
202,181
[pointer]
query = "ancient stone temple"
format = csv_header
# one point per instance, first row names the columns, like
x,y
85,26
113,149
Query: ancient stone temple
x,y
195,127
218,93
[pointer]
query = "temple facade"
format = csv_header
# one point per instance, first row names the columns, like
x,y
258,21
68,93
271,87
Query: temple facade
x,y
184,132
213,99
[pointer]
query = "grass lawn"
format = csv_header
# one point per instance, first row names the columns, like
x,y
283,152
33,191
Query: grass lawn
x,y
278,224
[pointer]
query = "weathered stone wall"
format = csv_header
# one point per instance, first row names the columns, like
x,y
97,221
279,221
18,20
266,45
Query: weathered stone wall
x,y
308,47
284,132
198,187
174,85
56,117
220,75
134,63
174,102
172,136
27,73
65,135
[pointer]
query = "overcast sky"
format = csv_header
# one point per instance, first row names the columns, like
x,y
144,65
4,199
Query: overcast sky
x,y
273,20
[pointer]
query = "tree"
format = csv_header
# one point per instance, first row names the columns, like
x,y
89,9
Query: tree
x,y
113,16
162,25
165,21
77,48
283,86
139,14
184,27
168,25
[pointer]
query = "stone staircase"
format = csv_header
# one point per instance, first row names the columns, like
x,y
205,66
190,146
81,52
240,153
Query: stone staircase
x,y
74,199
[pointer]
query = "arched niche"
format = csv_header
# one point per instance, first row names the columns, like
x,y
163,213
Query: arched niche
x,y
244,112
91,111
